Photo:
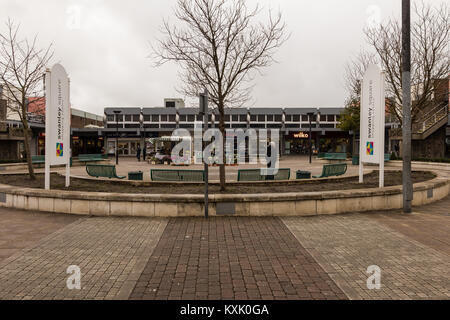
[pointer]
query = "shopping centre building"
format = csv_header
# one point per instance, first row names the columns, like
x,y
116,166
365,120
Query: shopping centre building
x,y
129,127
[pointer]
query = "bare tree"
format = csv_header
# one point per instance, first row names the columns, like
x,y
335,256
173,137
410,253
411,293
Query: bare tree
x,y
22,66
219,46
354,72
430,32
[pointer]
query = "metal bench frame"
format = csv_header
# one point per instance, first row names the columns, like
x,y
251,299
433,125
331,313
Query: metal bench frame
x,y
330,170
255,175
111,168
177,175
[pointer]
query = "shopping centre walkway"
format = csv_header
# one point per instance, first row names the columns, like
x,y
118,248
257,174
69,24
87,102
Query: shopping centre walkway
x,y
322,257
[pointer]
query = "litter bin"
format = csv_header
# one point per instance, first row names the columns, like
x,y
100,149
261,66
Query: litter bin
x,y
303,174
355,160
137,175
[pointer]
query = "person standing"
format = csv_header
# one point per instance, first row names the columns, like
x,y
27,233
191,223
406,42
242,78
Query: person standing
x,y
138,155
144,152
270,146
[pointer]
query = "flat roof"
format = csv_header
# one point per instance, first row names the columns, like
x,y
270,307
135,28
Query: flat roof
x,y
228,111
124,110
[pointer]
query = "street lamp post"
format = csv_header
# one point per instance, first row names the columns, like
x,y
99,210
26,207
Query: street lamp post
x,y
310,115
117,112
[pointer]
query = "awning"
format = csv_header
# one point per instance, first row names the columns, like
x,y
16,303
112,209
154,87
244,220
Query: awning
x,y
168,139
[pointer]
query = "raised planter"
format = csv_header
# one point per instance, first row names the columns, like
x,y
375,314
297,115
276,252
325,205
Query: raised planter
x,y
272,204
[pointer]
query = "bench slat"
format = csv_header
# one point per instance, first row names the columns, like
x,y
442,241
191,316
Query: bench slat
x,y
330,170
177,175
256,175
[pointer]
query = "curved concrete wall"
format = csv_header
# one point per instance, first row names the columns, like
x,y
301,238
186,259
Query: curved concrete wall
x,y
276,204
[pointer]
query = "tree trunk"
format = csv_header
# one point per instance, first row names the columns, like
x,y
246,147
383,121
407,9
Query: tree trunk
x,y
28,152
222,165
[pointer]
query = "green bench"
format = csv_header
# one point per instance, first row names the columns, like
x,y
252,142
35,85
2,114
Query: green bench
x,y
320,155
102,170
177,175
255,175
91,157
335,156
330,170
37,159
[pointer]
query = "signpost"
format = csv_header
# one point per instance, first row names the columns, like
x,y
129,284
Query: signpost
x,y
57,121
372,121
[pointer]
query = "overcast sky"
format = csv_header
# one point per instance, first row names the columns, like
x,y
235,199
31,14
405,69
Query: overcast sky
x,y
104,46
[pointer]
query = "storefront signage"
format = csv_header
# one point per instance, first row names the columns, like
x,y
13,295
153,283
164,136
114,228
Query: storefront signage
x,y
301,135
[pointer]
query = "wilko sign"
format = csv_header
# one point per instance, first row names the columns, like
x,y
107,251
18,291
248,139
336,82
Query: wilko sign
x,y
372,119
301,135
57,119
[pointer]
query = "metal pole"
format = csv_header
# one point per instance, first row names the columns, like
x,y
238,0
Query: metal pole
x,y
310,139
406,86
205,119
117,136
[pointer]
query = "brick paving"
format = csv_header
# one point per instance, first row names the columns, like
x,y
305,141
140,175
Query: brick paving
x,y
22,229
429,225
232,258
346,245
110,253
323,257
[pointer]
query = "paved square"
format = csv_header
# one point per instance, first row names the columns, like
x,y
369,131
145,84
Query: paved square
x,y
232,258
322,257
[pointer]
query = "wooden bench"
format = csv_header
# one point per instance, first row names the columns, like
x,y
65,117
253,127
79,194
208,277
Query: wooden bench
x,y
330,170
37,159
335,156
91,157
177,175
256,175
102,170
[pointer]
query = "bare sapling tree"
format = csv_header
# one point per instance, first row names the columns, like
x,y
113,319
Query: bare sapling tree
x,y
220,45
22,67
430,31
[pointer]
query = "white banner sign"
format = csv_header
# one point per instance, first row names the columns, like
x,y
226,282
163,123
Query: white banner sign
x,y
372,116
57,116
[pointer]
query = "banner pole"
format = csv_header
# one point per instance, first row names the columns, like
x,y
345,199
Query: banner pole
x,y
383,130
361,149
70,137
47,83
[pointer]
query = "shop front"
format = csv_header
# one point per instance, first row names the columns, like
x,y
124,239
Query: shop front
x,y
126,146
334,141
297,143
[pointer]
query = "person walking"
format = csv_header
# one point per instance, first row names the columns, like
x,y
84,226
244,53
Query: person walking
x,y
144,152
138,155
271,147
